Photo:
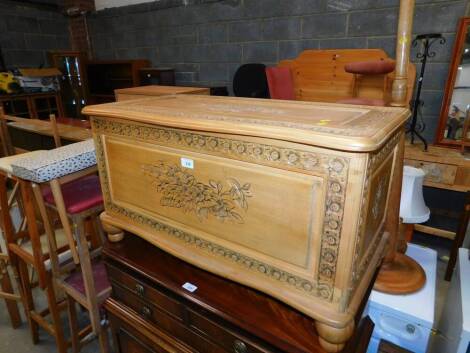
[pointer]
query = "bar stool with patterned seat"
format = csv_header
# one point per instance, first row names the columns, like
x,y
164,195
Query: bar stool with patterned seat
x,y
29,254
28,249
66,181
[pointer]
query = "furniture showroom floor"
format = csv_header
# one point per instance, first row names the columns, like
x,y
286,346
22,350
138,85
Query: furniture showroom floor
x,y
19,340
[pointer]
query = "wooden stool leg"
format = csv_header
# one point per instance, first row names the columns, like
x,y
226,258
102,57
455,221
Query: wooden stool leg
x,y
12,305
55,316
87,272
103,340
28,302
72,310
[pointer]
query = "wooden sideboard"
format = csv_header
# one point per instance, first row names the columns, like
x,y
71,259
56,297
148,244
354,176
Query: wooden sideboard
x,y
150,311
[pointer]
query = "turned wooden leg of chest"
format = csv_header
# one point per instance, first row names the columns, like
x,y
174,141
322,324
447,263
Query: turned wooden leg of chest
x,y
333,339
114,234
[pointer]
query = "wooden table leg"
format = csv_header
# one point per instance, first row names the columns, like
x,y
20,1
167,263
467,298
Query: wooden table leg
x,y
459,237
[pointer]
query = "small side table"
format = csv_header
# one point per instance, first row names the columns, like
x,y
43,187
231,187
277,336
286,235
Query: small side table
x,y
406,320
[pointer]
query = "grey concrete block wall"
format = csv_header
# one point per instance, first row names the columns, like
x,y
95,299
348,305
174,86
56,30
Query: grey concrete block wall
x,y
207,40
28,32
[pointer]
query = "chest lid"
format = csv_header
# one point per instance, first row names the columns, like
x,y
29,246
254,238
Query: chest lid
x,y
335,126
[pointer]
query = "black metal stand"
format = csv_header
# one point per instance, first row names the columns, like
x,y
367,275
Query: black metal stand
x,y
427,40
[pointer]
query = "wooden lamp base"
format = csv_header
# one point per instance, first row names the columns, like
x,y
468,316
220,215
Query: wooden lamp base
x,y
401,276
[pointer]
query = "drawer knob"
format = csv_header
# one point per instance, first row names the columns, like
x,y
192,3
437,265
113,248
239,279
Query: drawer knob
x,y
146,312
239,347
140,290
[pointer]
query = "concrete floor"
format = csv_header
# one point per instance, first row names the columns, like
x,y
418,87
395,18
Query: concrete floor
x,y
19,340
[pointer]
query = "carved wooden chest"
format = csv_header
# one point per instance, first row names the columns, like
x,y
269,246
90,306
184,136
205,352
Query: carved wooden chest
x,y
289,198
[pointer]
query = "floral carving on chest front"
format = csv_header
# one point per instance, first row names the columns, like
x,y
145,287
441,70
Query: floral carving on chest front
x,y
180,189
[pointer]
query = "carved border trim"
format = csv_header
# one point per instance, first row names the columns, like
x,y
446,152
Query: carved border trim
x,y
374,162
362,126
336,168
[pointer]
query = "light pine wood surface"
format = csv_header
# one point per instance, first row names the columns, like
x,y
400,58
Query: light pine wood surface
x,y
287,197
155,91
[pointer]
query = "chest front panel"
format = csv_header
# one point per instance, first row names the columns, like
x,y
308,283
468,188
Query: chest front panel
x,y
273,215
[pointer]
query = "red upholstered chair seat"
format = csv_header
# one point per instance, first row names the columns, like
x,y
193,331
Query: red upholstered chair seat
x,y
79,195
100,278
363,101
377,67
281,85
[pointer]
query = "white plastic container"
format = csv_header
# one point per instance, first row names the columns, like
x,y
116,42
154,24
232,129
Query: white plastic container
x,y
406,320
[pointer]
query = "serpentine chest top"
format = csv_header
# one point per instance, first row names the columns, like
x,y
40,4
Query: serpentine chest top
x,y
287,197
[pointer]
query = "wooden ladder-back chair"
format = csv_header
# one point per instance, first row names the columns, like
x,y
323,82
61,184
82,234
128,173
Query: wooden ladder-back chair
x,y
67,183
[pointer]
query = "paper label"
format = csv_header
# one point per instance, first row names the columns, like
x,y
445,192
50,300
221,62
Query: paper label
x,y
189,287
187,163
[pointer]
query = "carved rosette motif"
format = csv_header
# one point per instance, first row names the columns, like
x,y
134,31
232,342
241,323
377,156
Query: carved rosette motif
x,y
375,161
334,167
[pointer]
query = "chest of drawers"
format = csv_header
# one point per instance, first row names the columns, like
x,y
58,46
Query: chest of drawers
x,y
150,311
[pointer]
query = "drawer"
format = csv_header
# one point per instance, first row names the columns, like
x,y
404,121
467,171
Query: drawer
x,y
134,335
435,172
145,292
230,341
164,322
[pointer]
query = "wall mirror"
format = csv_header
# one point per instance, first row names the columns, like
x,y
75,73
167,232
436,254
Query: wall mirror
x,y
456,102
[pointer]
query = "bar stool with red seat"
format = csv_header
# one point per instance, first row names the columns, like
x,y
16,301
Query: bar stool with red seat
x,y
368,70
66,181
